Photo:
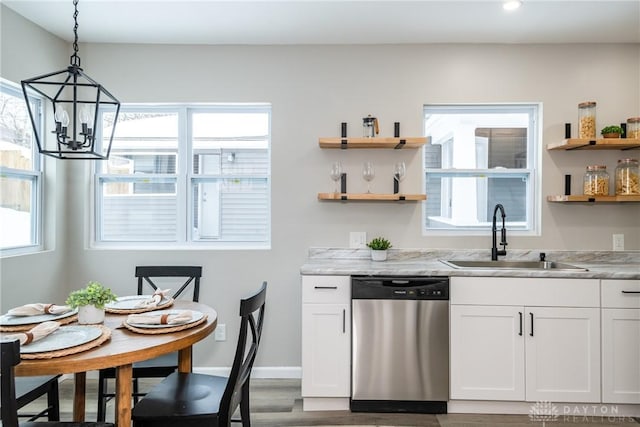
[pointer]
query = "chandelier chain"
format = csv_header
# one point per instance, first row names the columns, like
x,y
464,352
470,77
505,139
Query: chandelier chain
x,y
75,59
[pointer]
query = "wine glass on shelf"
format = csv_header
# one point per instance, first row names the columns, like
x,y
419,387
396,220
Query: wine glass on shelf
x,y
399,172
368,173
336,174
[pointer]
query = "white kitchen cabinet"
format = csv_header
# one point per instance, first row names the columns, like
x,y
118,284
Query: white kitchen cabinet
x,y
621,341
495,353
487,353
326,342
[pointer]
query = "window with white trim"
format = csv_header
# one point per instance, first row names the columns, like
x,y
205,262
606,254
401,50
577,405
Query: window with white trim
x,y
187,175
479,156
20,173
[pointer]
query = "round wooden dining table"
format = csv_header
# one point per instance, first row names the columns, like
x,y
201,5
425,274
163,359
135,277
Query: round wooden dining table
x,y
123,349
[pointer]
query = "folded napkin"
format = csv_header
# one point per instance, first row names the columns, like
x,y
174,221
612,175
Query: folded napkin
x,y
154,300
38,308
36,333
160,318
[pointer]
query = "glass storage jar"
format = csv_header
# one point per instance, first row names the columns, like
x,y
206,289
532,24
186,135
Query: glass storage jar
x,y
633,127
627,177
596,181
587,120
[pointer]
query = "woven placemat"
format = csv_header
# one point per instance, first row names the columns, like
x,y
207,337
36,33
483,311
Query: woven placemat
x,y
21,328
167,304
155,331
106,334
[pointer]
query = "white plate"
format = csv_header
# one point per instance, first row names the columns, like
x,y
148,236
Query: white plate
x,y
63,337
8,320
130,302
195,316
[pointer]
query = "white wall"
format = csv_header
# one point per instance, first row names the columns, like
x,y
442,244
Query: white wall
x,y
315,88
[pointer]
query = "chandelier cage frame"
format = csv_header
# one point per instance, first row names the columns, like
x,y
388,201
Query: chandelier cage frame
x,y
86,102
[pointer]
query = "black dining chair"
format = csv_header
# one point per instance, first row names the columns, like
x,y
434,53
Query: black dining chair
x,y
10,358
159,367
29,389
199,400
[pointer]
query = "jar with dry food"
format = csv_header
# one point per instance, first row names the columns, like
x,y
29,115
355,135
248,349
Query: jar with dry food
x,y
596,181
587,120
633,127
627,177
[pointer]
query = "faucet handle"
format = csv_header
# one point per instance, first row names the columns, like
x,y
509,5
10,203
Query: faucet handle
x,y
542,256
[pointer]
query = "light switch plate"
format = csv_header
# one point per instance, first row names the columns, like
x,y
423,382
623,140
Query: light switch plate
x,y
221,332
357,239
618,242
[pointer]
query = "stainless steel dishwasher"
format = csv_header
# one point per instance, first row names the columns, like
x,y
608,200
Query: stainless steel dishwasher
x,y
400,344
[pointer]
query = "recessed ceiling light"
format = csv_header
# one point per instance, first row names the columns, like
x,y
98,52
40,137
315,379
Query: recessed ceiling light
x,y
511,4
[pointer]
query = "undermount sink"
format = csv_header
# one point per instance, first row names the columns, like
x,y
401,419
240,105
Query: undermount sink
x,y
511,265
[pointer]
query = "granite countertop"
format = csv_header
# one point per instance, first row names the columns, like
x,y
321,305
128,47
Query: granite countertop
x,y
426,262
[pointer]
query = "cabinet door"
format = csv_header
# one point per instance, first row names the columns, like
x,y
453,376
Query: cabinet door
x,y
621,356
326,350
487,352
563,354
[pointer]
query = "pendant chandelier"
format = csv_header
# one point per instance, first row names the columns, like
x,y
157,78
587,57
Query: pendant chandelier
x,y
78,103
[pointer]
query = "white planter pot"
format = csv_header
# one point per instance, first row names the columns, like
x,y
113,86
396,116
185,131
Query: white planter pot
x,y
379,255
89,315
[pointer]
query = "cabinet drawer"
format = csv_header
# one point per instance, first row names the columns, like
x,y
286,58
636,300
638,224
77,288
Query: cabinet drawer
x,y
621,293
326,289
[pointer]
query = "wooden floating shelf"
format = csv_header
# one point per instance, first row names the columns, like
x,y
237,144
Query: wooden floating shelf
x,y
397,143
595,144
371,197
594,199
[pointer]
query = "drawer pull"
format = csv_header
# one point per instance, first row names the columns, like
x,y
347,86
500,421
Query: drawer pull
x,y
531,333
631,292
325,287
520,314
344,321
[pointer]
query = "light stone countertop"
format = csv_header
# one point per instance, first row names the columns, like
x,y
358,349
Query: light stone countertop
x,y
426,262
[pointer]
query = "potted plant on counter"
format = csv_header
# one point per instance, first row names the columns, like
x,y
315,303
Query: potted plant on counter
x,y
379,247
90,302
613,131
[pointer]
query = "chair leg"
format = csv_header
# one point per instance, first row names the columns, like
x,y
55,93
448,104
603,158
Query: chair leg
x,y
244,406
53,402
135,391
102,399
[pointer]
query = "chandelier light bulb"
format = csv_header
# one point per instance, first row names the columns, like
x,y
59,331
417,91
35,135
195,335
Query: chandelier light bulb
x,y
84,115
64,118
511,4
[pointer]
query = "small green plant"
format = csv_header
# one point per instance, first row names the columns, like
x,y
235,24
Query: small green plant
x,y
379,244
611,129
94,294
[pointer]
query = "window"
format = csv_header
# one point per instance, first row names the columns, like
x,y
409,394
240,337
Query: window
x,y
481,155
187,175
20,173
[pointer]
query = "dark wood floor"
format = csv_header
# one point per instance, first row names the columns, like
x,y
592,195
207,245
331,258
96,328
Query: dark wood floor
x,y
276,403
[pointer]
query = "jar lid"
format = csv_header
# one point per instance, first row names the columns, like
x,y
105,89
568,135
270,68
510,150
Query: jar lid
x,y
628,161
633,120
587,104
596,167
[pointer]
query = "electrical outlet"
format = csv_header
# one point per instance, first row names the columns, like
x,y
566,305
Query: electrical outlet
x,y
357,239
221,332
618,242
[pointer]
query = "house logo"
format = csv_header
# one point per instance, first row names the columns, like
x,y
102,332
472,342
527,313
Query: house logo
x,y
543,411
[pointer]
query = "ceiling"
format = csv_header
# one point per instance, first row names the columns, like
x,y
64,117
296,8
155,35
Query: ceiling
x,y
336,21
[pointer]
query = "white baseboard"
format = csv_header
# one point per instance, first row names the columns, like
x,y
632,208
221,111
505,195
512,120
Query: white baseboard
x,y
291,372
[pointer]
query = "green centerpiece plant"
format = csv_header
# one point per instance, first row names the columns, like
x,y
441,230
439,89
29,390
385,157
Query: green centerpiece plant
x,y
90,302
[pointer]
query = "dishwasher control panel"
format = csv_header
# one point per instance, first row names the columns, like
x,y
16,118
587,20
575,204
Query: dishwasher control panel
x,y
409,288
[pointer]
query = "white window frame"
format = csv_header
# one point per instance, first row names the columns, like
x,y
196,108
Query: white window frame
x,y
184,179
533,170
35,175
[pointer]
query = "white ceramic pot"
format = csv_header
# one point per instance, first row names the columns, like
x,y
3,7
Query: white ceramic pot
x,y
89,315
378,255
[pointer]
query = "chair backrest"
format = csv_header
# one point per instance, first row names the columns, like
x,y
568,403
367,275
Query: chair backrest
x,y
10,358
252,318
192,274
